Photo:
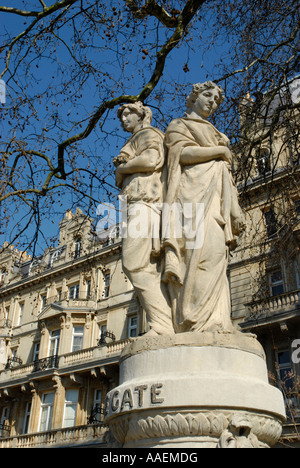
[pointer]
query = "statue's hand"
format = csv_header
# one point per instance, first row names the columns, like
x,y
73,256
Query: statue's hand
x,y
227,154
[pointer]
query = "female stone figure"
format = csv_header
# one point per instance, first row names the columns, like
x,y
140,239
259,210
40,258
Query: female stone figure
x,y
139,174
199,163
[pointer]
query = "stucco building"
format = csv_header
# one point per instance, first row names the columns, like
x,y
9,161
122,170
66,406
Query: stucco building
x,y
264,270
65,317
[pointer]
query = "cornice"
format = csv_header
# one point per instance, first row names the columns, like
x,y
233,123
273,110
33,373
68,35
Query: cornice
x,y
106,252
262,183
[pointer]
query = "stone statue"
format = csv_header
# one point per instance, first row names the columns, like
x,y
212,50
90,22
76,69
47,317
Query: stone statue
x,y
204,386
140,176
200,182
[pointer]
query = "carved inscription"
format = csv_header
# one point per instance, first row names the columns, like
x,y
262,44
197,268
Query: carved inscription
x,y
136,397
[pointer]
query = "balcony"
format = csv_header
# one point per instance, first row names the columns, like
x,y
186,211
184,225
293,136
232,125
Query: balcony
x,y
13,362
70,436
64,296
92,355
84,358
273,308
50,362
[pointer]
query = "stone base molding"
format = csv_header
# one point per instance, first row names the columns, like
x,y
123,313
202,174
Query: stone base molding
x,y
210,428
195,390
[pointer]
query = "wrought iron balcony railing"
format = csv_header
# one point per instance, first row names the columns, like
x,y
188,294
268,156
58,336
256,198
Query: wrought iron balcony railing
x,y
50,362
97,415
106,335
13,362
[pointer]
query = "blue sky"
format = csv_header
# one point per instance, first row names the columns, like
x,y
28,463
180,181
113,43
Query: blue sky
x,y
103,144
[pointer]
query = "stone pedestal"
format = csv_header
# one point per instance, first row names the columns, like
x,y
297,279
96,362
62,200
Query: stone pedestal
x,y
193,390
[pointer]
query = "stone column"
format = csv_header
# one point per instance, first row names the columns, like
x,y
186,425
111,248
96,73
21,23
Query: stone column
x,y
195,390
59,399
35,408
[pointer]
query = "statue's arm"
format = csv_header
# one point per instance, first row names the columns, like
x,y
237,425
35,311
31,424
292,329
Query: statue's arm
x,y
145,162
200,154
179,139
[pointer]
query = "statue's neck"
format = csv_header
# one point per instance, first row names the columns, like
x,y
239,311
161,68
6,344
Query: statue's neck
x,y
193,115
137,129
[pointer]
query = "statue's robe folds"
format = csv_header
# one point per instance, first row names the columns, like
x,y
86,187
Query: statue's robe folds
x,y
141,261
196,267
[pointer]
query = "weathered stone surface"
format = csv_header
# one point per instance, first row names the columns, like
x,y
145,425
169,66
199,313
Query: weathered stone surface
x,y
188,390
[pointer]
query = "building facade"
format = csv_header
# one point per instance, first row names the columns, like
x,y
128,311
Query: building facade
x,y
264,270
65,318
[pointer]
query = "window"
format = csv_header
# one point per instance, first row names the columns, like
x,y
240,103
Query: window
x,y
132,326
106,285
58,292
74,292
276,283
7,310
4,421
285,370
43,302
4,415
27,417
46,411
77,342
271,223
70,410
88,289
54,342
77,248
97,397
20,313
36,350
97,405
263,159
102,335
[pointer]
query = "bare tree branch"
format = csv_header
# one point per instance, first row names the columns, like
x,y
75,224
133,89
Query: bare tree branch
x,y
39,16
264,59
17,11
183,21
154,9
74,62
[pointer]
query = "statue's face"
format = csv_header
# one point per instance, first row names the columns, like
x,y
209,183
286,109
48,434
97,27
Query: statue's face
x,y
130,120
207,102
